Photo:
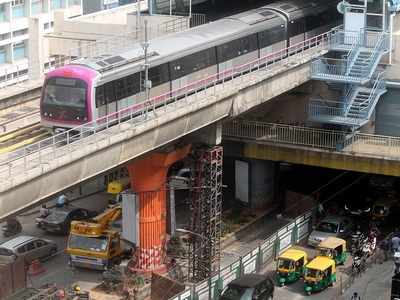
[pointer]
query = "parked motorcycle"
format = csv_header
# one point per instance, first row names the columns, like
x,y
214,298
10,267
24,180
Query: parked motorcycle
x,y
11,228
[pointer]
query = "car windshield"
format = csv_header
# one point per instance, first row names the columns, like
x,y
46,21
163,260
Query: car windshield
x,y
285,264
57,216
5,252
234,292
313,273
65,92
97,244
328,227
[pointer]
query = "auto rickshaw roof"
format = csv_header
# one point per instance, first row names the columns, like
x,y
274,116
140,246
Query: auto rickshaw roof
x,y
293,254
332,243
321,263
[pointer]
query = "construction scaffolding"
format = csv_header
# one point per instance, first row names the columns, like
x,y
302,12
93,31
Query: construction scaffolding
x,y
206,209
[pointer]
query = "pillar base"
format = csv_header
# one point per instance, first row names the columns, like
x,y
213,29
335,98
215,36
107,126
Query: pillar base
x,y
148,176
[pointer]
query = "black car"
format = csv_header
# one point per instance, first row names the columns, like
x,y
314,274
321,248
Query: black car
x,y
59,220
249,286
359,207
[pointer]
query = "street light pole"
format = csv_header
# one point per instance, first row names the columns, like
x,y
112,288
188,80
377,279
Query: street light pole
x,y
147,82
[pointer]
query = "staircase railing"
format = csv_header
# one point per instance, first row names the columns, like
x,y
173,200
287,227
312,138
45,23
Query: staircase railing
x,y
319,107
355,49
379,85
380,47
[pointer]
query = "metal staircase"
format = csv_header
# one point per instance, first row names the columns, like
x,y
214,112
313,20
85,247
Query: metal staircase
x,y
357,70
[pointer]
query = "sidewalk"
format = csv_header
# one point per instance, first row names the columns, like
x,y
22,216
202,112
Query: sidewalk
x,y
249,238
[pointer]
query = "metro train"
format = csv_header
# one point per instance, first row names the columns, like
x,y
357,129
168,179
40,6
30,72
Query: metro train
x,y
90,88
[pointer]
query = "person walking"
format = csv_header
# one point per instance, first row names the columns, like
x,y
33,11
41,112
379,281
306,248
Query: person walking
x,y
44,211
355,296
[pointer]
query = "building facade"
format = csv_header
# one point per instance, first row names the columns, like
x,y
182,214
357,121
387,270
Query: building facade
x,y
14,31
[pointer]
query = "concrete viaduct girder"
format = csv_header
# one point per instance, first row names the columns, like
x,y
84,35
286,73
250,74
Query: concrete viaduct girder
x,y
67,166
304,155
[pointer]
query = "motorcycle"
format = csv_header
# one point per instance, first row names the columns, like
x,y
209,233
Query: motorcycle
x,y
11,228
396,258
359,263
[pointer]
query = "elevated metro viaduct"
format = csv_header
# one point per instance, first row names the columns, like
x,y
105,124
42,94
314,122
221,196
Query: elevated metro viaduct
x,y
134,145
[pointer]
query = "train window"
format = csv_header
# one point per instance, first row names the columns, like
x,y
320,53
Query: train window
x,y
100,100
109,92
237,47
133,84
159,74
271,36
313,22
120,89
193,63
296,27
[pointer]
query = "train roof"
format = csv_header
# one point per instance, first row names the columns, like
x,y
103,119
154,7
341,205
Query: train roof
x,y
174,46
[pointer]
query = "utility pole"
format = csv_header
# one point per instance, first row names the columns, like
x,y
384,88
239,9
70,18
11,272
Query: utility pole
x,y
147,82
150,3
138,13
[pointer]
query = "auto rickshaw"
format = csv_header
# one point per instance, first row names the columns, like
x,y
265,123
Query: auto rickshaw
x,y
319,274
290,266
334,248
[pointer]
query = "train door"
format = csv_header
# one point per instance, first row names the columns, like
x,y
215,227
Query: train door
x,y
110,97
100,102
296,31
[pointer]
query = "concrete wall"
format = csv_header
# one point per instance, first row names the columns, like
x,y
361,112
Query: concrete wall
x,y
262,183
291,107
116,30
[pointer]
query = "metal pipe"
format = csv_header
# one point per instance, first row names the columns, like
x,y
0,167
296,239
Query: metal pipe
x,y
391,38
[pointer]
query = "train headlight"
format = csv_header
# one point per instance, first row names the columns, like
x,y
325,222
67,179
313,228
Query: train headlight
x,y
50,115
85,119
45,114
77,118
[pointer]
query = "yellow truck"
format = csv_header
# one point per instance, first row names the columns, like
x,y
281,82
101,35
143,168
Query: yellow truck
x,y
93,244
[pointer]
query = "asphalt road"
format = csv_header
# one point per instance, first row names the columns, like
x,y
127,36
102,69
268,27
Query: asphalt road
x,y
374,284
57,269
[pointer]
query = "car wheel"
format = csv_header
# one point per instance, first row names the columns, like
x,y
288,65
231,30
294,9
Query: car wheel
x,y
53,251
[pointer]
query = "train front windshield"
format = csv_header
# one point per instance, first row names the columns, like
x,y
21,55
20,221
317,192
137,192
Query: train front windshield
x,y
64,99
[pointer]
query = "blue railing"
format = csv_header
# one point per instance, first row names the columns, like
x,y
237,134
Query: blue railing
x,y
377,90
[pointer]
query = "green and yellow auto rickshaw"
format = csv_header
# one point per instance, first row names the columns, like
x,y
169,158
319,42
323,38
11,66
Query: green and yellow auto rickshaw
x,y
290,266
319,274
334,248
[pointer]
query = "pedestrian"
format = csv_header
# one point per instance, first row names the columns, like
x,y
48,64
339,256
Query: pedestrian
x,y
44,211
395,243
355,296
61,201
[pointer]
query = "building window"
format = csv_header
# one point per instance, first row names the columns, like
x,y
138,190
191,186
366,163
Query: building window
x,y
3,55
5,36
20,32
37,7
3,14
75,2
18,8
46,26
56,4
19,51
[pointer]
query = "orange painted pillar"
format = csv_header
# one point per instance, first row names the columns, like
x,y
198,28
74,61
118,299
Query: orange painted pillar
x,y
148,177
